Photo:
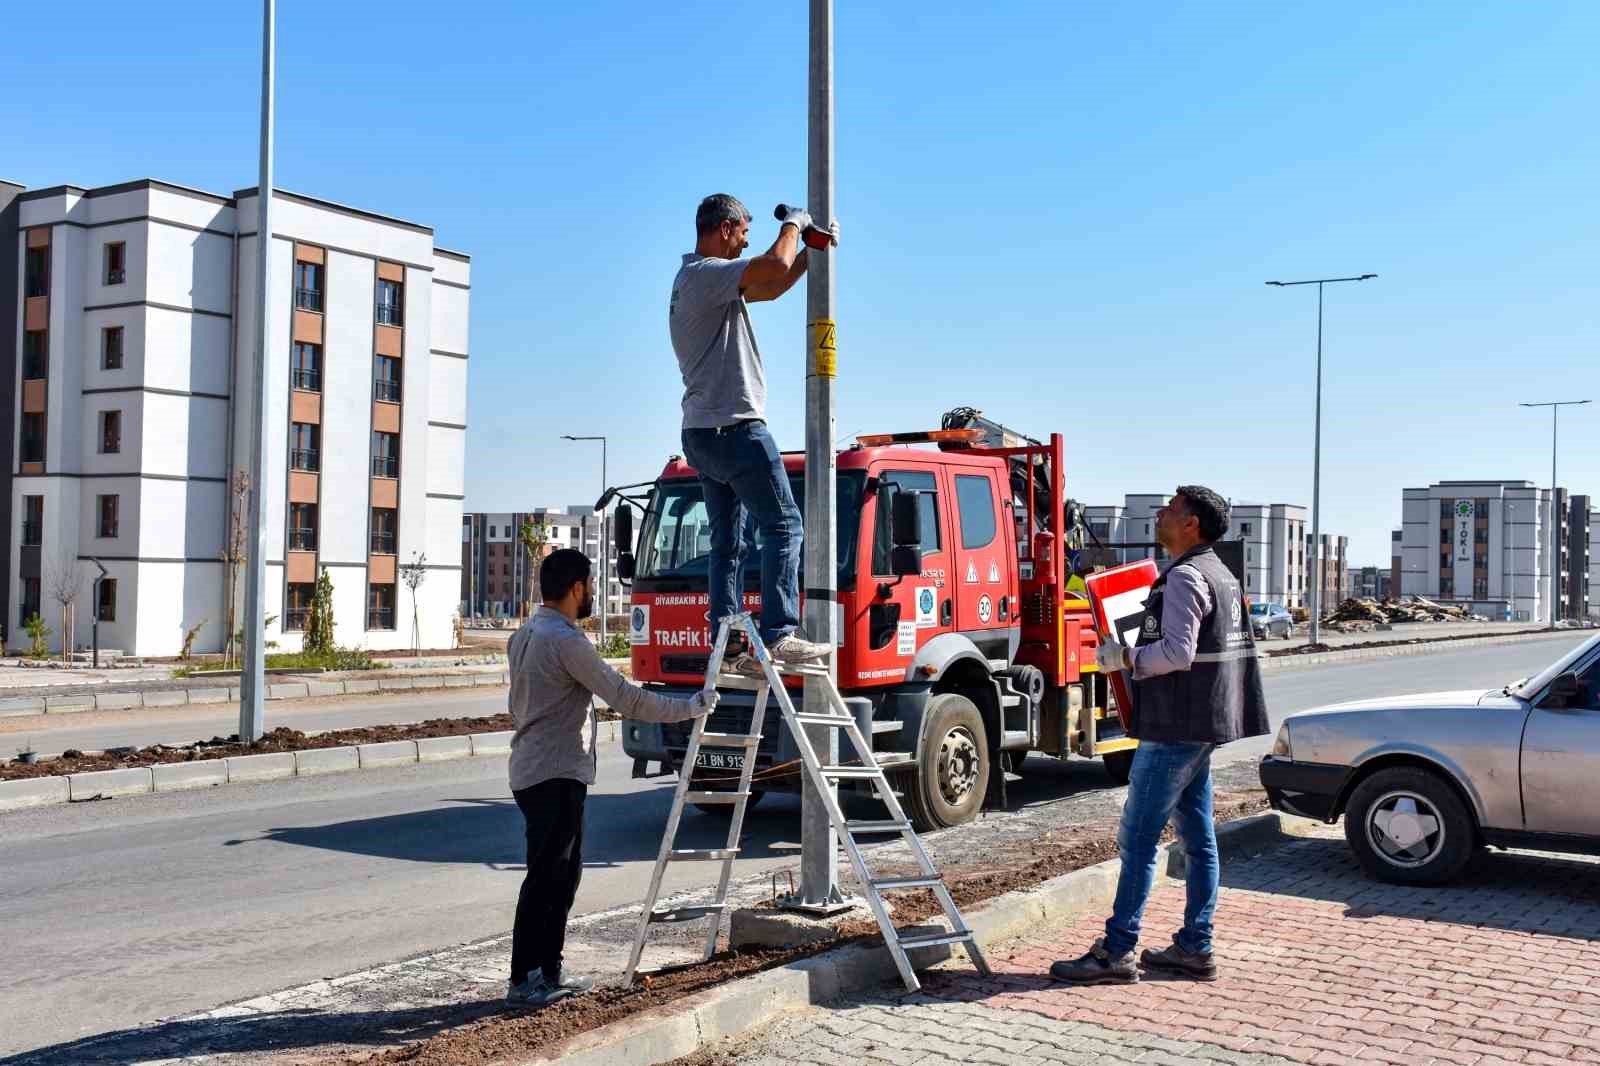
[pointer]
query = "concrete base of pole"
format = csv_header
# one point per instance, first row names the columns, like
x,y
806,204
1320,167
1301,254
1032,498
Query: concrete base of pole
x,y
762,927
838,904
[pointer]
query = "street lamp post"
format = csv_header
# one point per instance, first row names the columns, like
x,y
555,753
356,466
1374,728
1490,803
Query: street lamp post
x,y
1555,526
605,543
1316,461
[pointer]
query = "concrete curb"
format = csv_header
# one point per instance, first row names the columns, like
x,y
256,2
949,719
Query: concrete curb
x,y
251,769
683,1027
1282,663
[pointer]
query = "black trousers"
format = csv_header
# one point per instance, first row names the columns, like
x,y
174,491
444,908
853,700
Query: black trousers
x,y
552,812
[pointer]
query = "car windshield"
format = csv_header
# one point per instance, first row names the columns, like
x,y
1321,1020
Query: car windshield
x,y
1527,687
1258,608
675,541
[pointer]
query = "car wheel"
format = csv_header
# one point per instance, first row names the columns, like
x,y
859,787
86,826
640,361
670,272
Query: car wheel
x,y
952,774
1119,764
1288,631
726,809
1408,826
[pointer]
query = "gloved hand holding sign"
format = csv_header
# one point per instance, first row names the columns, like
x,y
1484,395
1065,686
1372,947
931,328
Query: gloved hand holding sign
x,y
1110,656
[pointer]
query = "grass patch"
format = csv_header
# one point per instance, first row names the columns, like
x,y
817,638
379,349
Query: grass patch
x,y
335,659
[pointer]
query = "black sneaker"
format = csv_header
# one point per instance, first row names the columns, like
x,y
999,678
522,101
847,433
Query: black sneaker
x,y
1098,967
1176,960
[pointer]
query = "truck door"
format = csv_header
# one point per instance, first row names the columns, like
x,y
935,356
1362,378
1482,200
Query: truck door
x,y
915,608
983,575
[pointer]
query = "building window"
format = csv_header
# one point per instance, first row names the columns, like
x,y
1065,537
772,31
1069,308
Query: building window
x,y
111,348
307,367
308,286
305,446
390,295
303,527
491,533
110,432
380,607
298,606
1244,529
116,263
385,454
383,531
35,355
32,521
106,608
30,600
36,272
108,507
385,379
33,437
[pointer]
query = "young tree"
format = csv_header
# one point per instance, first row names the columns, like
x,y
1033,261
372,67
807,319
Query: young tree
x,y
233,557
65,578
414,574
534,535
319,619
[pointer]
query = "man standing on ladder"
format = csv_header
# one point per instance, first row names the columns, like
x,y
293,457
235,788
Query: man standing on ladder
x,y
725,433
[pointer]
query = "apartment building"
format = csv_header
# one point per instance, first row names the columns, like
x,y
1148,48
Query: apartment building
x,y
497,573
1368,582
1276,552
1594,564
134,379
1486,545
1333,559
10,310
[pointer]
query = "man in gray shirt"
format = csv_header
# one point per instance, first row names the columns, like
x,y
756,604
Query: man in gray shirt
x,y
725,435
555,675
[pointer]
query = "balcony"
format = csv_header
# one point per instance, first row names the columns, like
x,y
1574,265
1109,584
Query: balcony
x,y
389,315
385,466
32,451
386,390
305,459
308,380
308,300
32,534
380,618
382,543
303,540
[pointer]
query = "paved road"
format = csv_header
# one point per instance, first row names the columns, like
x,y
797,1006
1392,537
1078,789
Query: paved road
x,y
120,912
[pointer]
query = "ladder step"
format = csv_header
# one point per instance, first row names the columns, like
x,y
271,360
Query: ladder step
x,y
823,719
730,740
690,914
906,882
877,827
707,855
851,772
714,797
935,939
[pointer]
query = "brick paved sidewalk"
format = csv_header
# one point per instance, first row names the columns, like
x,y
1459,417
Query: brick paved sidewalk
x,y
1320,965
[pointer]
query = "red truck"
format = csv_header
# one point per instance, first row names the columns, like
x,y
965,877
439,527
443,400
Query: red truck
x,y
962,649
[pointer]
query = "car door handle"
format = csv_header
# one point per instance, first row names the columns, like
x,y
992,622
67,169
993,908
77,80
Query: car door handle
x,y
946,612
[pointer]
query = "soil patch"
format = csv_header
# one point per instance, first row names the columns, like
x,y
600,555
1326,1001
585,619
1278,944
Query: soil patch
x,y
494,1040
280,739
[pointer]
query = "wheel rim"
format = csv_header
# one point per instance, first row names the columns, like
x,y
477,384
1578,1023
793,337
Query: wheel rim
x,y
1406,829
959,765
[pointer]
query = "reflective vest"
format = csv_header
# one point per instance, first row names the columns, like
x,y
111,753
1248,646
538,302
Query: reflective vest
x,y
1219,698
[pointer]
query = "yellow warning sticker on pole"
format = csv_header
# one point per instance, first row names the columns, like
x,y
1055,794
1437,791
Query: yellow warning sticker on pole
x,y
824,353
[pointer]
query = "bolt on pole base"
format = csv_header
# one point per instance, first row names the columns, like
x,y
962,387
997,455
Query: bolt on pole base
x,y
836,903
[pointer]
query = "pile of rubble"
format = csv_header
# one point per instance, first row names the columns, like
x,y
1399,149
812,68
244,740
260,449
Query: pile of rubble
x,y
1365,615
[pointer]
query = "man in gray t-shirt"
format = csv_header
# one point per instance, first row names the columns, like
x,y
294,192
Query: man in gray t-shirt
x,y
725,433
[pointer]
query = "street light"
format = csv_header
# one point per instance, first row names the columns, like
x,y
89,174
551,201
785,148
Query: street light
x,y
605,544
1555,529
1316,462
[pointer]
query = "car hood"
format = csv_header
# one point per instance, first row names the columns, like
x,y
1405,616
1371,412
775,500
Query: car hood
x,y
1456,699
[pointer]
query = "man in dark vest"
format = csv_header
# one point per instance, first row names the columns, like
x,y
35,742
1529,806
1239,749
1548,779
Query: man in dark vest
x,y
1196,684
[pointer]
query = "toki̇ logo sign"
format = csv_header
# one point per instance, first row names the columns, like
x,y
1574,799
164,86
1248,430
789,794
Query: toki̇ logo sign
x,y
1465,513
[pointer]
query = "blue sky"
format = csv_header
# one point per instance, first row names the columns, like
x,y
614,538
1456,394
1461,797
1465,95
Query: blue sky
x,y
1061,213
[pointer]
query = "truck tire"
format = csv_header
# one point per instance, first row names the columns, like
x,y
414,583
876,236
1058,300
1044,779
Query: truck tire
x,y
1407,826
953,766
1118,764
726,809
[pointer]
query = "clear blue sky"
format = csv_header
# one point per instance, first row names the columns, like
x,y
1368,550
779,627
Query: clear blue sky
x,y
1060,213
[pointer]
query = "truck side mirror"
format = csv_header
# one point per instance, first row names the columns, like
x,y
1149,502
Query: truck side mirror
x,y
905,560
622,541
1563,691
906,525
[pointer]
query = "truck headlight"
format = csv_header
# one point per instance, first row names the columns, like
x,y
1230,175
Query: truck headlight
x,y
1280,744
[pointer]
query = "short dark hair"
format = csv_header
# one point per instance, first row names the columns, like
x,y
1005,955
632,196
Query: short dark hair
x,y
1211,509
716,209
562,569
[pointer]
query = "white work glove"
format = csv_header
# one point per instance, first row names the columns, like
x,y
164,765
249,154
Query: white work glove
x,y
798,217
703,702
833,231
1109,656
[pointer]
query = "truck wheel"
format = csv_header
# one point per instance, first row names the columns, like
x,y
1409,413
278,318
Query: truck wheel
x,y
1119,764
1409,827
952,774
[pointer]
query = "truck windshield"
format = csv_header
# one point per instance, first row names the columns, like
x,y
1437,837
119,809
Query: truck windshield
x,y
675,541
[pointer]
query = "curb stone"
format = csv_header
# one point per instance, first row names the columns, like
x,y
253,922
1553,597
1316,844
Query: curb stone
x,y
387,753
265,767
325,761
439,749
129,782
202,773
33,792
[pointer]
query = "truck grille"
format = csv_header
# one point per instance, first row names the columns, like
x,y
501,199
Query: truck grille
x,y
728,718
684,664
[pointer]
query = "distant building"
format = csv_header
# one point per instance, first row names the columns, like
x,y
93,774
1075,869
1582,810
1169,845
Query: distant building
x,y
497,571
1368,582
1335,569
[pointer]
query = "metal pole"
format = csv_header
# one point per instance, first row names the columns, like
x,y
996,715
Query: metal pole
x,y
605,553
819,853
1555,528
252,718
1316,493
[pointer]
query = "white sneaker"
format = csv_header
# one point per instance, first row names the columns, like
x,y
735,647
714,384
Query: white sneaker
x,y
791,649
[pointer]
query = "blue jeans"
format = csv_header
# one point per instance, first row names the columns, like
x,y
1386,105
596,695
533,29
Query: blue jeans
x,y
741,473
1168,781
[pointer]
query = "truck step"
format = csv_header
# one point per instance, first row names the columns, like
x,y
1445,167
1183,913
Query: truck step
x,y
715,797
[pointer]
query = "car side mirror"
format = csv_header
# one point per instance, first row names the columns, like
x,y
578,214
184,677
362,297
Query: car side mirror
x,y
1563,691
906,526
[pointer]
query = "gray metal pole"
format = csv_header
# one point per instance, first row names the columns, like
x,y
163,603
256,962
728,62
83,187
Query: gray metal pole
x,y
252,689
819,852
1316,494
605,553
1555,527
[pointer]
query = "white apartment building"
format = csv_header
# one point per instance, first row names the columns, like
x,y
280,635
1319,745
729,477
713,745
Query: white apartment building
x,y
1480,544
496,571
136,343
1594,564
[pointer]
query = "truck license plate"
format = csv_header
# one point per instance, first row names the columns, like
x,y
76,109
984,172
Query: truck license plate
x,y
719,760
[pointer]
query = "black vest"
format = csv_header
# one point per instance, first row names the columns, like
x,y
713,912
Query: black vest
x,y
1219,698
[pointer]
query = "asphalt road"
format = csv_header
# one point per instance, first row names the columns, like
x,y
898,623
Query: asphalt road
x,y
121,912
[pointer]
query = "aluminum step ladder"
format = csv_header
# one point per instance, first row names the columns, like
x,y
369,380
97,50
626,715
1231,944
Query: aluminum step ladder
x,y
822,776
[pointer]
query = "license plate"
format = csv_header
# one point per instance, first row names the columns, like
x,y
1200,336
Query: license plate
x,y
719,760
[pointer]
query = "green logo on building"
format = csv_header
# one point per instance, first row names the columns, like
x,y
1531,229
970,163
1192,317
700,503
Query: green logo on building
x,y
1464,508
